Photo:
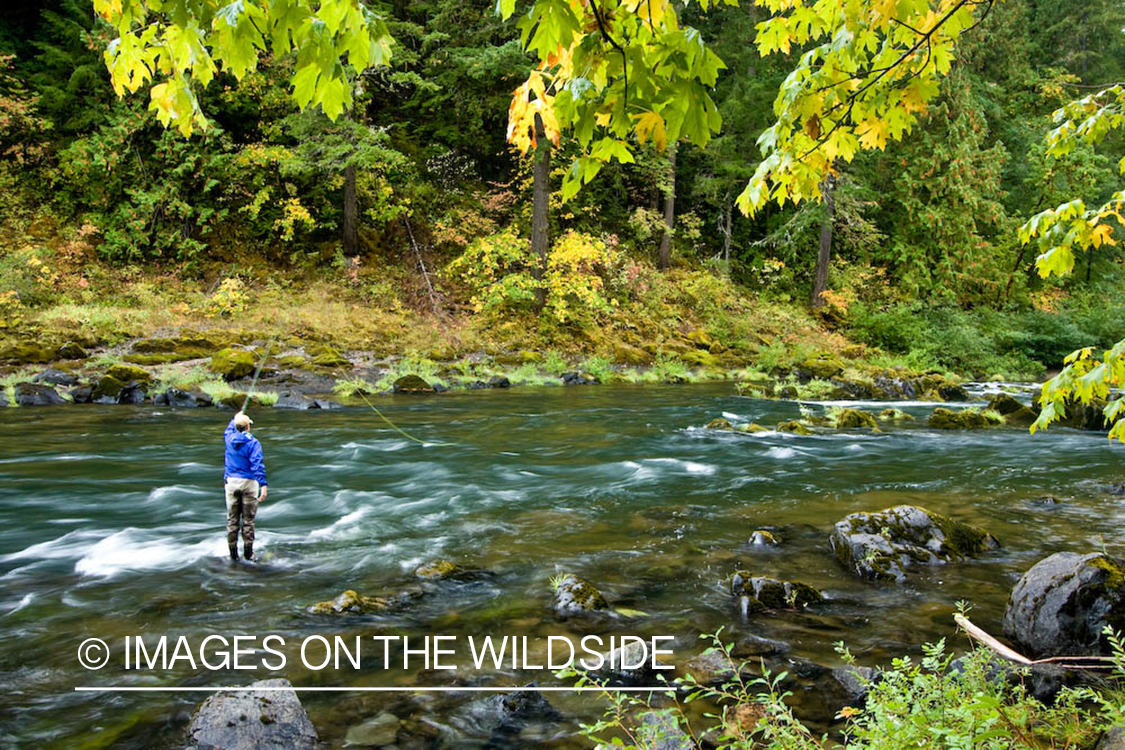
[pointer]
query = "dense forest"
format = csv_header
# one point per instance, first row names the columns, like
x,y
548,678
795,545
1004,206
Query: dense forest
x,y
413,205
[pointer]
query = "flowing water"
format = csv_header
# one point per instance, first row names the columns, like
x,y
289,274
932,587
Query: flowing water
x,y
112,525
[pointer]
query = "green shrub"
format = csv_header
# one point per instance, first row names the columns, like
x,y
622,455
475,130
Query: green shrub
x,y
599,367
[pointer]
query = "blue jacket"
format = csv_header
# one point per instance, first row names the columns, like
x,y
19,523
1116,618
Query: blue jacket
x,y
243,456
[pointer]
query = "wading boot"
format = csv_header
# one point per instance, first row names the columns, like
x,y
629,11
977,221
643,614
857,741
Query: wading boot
x,y
234,552
248,551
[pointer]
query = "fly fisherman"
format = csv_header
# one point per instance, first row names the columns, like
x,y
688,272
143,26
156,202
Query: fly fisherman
x,y
245,483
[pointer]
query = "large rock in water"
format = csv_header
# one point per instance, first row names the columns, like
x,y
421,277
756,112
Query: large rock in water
x,y
884,545
1061,606
253,721
574,595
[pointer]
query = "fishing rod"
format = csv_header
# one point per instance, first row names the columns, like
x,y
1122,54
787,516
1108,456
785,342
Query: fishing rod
x,y
257,374
382,416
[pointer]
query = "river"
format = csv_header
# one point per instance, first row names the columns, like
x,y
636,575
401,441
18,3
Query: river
x,y
112,526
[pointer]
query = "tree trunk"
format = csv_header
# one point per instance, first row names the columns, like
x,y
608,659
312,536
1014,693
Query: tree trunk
x,y
351,237
541,192
820,278
665,258
727,231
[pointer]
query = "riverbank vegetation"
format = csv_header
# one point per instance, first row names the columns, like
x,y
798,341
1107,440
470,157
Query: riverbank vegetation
x,y
937,700
403,226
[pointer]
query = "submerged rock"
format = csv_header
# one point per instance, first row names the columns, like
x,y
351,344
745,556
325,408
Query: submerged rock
x,y
884,545
375,732
894,415
751,428
770,593
411,384
33,394
574,595
349,602
719,424
856,681
661,730
1063,603
253,720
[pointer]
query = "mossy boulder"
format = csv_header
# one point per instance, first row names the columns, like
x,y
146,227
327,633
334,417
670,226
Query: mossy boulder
x,y
349,602
850,419
795,427
35,394
155,351
232,364
439,570
965,419
71,350
700,358
1013,411
574,595
627,354
129,373
751,428
411,384
823,366
1062,605
719,424
884,545
894,415
700,339
26,352
331,359
107,390
771,593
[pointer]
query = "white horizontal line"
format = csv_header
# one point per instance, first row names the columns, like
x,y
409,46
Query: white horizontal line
x,y
251,689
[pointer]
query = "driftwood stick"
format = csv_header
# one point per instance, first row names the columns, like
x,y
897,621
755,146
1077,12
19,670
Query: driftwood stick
x,y
1067,662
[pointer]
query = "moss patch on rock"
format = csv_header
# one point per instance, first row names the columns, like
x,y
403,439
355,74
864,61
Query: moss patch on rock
x,y
349,602
107,387
438,570
771,593
965,419
719,424
232,364
129,373
795,427
850,419
574,595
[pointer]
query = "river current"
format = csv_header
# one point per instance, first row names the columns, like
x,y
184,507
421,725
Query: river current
x,y
111,524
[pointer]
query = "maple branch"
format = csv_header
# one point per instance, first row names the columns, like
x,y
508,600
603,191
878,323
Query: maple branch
x,y
624,62
910,50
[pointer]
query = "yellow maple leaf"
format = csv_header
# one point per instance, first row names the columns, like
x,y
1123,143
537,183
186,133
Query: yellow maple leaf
x,y
1102,234
875,136
651,124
